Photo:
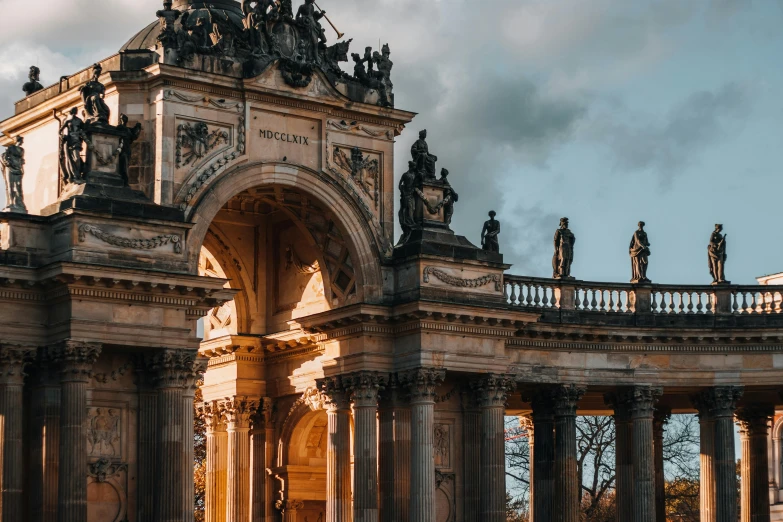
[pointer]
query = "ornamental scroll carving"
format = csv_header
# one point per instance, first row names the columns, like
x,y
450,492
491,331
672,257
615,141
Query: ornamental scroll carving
x,y
138,244
462,283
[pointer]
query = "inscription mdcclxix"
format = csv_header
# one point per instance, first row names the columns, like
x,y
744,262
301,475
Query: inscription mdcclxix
x,y
282,136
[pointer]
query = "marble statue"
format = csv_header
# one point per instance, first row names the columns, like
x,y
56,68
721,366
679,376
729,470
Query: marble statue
x,y
33,85
717,256
12,161
490,232
449,197
407,201
564,251
640,255
425,162
126,142
92,94
72,139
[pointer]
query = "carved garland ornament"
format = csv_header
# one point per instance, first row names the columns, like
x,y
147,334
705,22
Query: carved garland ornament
x,y
462,283
139,244
344,126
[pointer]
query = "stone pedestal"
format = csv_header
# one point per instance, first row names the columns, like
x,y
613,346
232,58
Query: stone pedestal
x,y
12,361
75,360
421,385
542,504
364,388
567,488
238,412
491,392
754,423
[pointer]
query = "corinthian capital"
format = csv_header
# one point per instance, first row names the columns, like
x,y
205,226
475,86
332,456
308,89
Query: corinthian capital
x,y
238,411
492,390
754,420
172,368
566,399
364,387
718,402
13,359
337,395
214,416
422,383
75,359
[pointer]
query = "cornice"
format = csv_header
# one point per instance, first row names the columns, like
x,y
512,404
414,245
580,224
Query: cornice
x,y
726,345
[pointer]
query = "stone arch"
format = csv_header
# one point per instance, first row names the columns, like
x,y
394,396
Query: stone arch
x,y
777,428
302,413
358,236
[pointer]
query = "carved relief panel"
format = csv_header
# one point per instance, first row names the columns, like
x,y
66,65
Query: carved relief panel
x,y
363,167
197,140
107,472
104,432
442,446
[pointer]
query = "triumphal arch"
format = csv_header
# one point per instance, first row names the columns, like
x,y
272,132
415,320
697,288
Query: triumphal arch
x,y
223,170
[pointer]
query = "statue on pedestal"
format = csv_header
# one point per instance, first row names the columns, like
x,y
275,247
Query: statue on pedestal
x,y
408,201
168,17
640,255
425,162
12,161
92,95
126,142
33,85
490,232
564,251
717,256
449,196
72,138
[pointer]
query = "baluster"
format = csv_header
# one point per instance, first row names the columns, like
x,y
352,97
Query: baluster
x,y
690,303
699,305
744,302
545,300
769,301
753,302
537,299
623,298
681,302
653,302
585,302
611,301
528,295
511,298
777,298
593,302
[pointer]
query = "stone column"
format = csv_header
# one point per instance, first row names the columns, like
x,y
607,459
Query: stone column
x,y
716,413
188,449
238,412
148,432
421,385
217,461
471,454
492,392
402,459
258,475
394,419
386,471
338,450
288,509
364,388
173,370
542,493
661,417
526,423
12,472
754,422
567,488
75,360
623,453
269,428
44,439
643,401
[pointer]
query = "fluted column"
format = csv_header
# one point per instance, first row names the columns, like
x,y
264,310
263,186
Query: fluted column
x,y
148,433
623,454
217,461
44,439
492,392
661,417
707,504
12,361
542,480
402,458
258,475
338,450
173,370
642,410
716,414
526,423
269,429
567,488
471,455
238,412
188,449
421,384
754,422
364,388
75,360
394,466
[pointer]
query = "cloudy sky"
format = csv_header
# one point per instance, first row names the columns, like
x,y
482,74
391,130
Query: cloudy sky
x,y
605,111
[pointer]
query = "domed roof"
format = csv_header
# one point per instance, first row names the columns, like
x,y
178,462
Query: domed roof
x,y
148,37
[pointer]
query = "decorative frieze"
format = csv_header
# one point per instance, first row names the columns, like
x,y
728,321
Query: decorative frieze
x,y
137,244
462,283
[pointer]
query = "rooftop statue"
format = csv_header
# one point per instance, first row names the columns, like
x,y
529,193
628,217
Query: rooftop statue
x,y
168,18
564,251
425,162
12,161
33,85
490,232
640,255
130,135
92,94
449,197
407,201
72,139
717,256
308,17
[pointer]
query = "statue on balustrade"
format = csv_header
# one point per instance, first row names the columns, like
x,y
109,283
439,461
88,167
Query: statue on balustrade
x,y
12,161
490,233
449,197
72,139
92,94
130,135
384,65
564,251
407,202
717,256
640,255
168,17
425,162
308,17
33,85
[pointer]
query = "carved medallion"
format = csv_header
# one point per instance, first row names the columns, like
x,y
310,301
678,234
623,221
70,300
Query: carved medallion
x,y
286,39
